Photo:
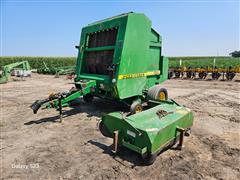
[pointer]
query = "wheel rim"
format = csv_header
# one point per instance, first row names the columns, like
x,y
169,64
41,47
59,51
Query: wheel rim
x,y
138,109
162,96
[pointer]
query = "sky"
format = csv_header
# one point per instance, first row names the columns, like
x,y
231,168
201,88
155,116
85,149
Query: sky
x,y
53,28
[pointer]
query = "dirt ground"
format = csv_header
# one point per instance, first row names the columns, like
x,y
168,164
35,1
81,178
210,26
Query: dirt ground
x,y
37,146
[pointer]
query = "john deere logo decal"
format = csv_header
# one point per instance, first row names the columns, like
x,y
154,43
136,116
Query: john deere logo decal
x,y
136,75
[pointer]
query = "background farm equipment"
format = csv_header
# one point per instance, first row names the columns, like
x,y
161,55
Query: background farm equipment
x,y
114,63
201,73
20,69
65,70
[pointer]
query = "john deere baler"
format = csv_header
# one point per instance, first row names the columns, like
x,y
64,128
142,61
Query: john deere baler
x,y
120,59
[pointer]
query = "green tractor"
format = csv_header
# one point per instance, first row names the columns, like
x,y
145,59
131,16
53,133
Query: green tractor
x,y
120,59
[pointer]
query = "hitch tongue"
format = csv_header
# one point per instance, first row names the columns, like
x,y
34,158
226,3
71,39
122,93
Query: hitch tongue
x,y
37,104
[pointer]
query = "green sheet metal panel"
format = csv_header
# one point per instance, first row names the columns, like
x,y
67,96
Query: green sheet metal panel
x,y
164,69
160,130
146,129
141,54
134,57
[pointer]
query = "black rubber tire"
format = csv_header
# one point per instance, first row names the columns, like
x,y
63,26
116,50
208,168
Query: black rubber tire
x,y
189,74
177,74
88,98
200,75
134,107
149,158
164,90
205,75
104,130
154,92
230,75
214,75
170,75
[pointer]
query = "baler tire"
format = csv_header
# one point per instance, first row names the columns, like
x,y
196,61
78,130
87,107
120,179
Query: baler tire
x,y
136,107
164,91
149,158
88,98
103,130
155,92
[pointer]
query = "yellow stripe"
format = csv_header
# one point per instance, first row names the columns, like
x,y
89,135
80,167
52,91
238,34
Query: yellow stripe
x,y
136,75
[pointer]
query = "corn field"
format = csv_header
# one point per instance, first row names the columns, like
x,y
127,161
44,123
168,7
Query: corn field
x,y
37,62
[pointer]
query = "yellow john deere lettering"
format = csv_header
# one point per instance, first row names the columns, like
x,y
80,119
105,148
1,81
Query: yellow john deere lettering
x,y
136,75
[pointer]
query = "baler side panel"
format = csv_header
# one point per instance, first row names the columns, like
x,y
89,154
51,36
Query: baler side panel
x,y
154,56
134,58
164,69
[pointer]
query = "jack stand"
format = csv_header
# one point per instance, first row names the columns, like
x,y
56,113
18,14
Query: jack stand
x,y
115,141
180,144
60,109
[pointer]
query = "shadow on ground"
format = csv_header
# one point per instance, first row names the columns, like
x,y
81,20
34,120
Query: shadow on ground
x,y
93,109
127,155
